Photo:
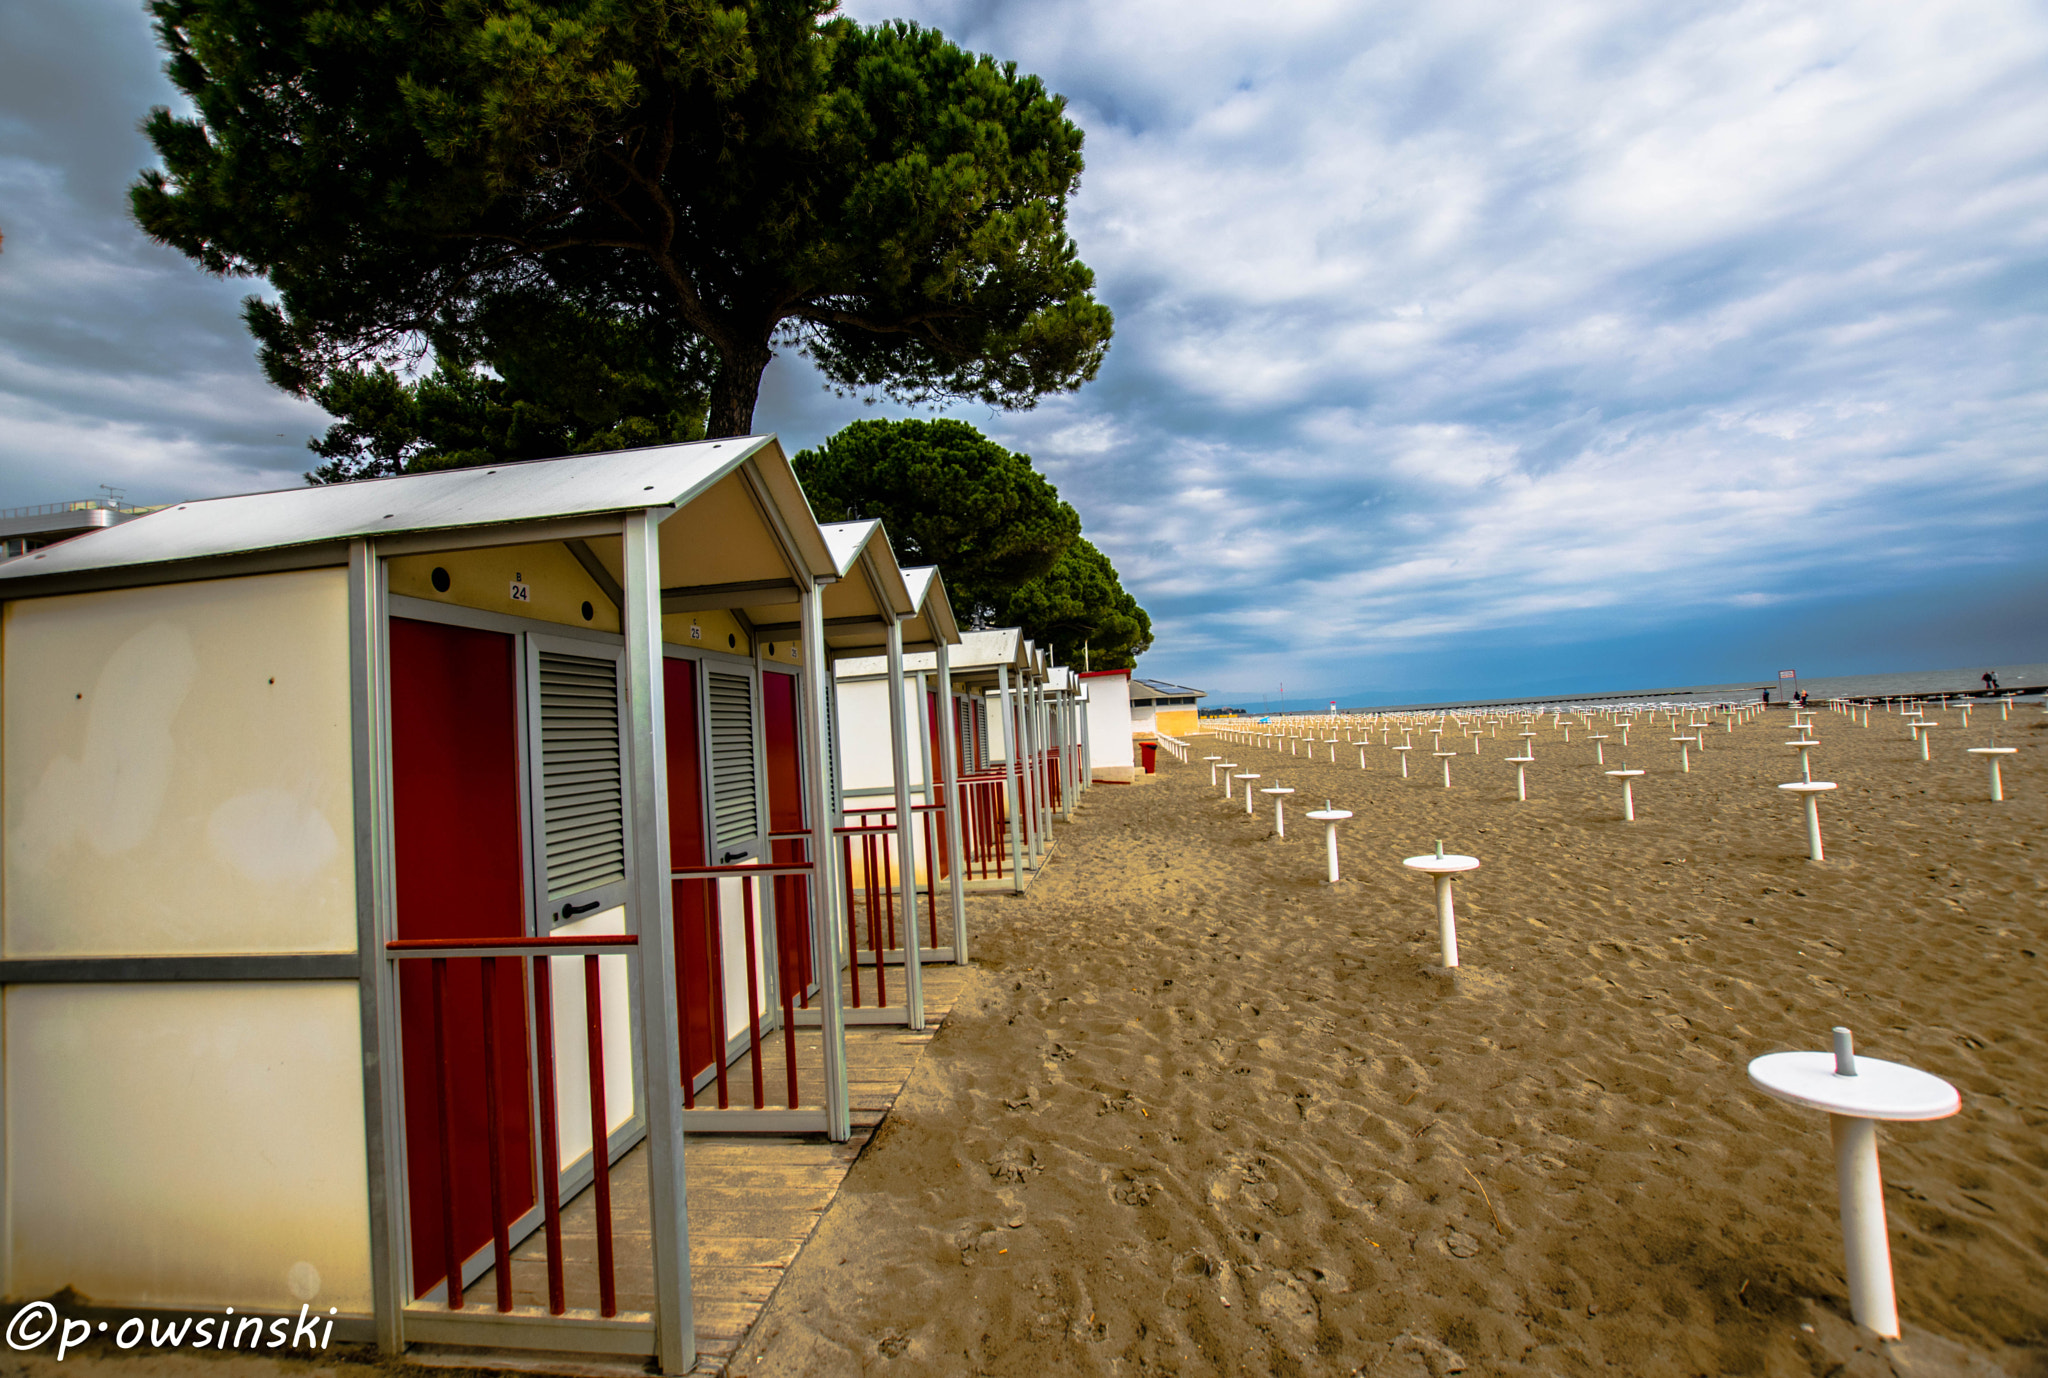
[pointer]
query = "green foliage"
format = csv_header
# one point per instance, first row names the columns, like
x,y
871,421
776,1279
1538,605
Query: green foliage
x,y
950,497
1080,603
754,172
503,389
1011,551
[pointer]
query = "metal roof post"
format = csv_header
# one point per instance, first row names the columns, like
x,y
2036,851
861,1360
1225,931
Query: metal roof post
x,y
377,982
653,919
956,814
1014,804
825,898
906,850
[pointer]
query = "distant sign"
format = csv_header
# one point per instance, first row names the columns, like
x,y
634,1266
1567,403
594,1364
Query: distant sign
x,y
1788,674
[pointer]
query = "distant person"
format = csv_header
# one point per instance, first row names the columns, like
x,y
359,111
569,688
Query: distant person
x,y
1767,698
1990,682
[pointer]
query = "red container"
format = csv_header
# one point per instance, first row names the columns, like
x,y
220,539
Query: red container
x,y
1150,751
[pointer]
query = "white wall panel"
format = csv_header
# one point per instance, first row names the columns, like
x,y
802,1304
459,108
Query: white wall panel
x,y
572,1041
187,1145
176,770
1109,722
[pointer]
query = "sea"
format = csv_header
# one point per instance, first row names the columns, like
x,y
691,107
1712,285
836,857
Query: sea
x,y
2028,681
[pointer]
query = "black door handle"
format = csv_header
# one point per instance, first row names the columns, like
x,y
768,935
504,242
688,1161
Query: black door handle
x,y
570,911
730,857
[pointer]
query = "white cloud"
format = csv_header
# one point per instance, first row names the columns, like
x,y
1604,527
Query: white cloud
x,y
1437,323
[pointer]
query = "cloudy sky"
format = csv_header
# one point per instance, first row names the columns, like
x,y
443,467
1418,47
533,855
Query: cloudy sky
x,y
1461,348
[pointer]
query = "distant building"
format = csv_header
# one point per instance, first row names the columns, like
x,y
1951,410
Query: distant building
x,y
23,529
1158,706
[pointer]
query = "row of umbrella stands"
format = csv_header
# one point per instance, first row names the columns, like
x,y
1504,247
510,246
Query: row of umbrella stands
x,y
502,1015
1855,1092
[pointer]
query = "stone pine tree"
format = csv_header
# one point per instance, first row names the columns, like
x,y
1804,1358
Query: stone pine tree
x,y
761,173
499,391
1011,551
1080,609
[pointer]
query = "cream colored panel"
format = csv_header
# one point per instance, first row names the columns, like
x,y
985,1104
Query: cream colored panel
x,y
556,587
710,630
572,1041
720,538
786,651
188,1145
177,770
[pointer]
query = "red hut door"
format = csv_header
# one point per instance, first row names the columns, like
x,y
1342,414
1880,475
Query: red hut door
x,y
693,930
460,867
786,815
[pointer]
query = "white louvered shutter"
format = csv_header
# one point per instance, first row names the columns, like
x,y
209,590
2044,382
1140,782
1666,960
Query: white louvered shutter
x,y
735,798
583,814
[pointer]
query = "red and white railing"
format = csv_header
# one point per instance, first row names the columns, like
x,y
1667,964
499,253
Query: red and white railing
x,y
540,952
790,911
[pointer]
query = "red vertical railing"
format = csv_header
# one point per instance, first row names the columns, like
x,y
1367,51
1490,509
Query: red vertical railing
x,y
439,952
789,930
870,905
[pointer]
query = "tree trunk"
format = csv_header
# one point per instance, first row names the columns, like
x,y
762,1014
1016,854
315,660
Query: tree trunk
x,y
735,390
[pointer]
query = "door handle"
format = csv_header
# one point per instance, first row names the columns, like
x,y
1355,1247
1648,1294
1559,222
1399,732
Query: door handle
x,y
570,911
730,857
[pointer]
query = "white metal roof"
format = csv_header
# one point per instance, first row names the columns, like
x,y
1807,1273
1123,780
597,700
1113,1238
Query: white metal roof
x,y
977,650
848,540
532,490
928,592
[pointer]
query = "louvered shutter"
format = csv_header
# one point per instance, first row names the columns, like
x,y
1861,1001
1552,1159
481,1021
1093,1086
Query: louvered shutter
x,y
582,793
735,799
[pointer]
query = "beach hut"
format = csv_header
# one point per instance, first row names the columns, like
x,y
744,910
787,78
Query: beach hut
x,y
894,815
1158,706
994,674
350,844
1108,723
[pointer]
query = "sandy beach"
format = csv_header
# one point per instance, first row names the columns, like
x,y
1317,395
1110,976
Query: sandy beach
x,y
1202,1113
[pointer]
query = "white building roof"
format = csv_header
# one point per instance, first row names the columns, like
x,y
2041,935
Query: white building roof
x,y
447,499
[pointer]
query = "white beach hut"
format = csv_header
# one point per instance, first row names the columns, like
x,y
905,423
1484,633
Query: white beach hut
x,y
1111,755
371,856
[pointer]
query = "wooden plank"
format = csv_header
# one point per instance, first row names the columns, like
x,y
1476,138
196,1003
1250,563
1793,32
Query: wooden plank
x,y
753,1201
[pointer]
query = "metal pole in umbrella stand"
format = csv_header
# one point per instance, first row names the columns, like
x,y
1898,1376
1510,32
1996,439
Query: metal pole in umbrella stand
x,y
1857,1092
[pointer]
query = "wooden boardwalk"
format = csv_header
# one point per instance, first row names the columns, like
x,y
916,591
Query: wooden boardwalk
x,y
753,1199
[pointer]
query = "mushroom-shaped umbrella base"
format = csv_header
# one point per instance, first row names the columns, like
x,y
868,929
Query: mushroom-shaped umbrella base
x,y
1811,790
1404,760
1443,868
1279,793
1874,1090
1212,760
1992,753
1628,792
1247,777
1446,756
1330,818
1226,767
1521,765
